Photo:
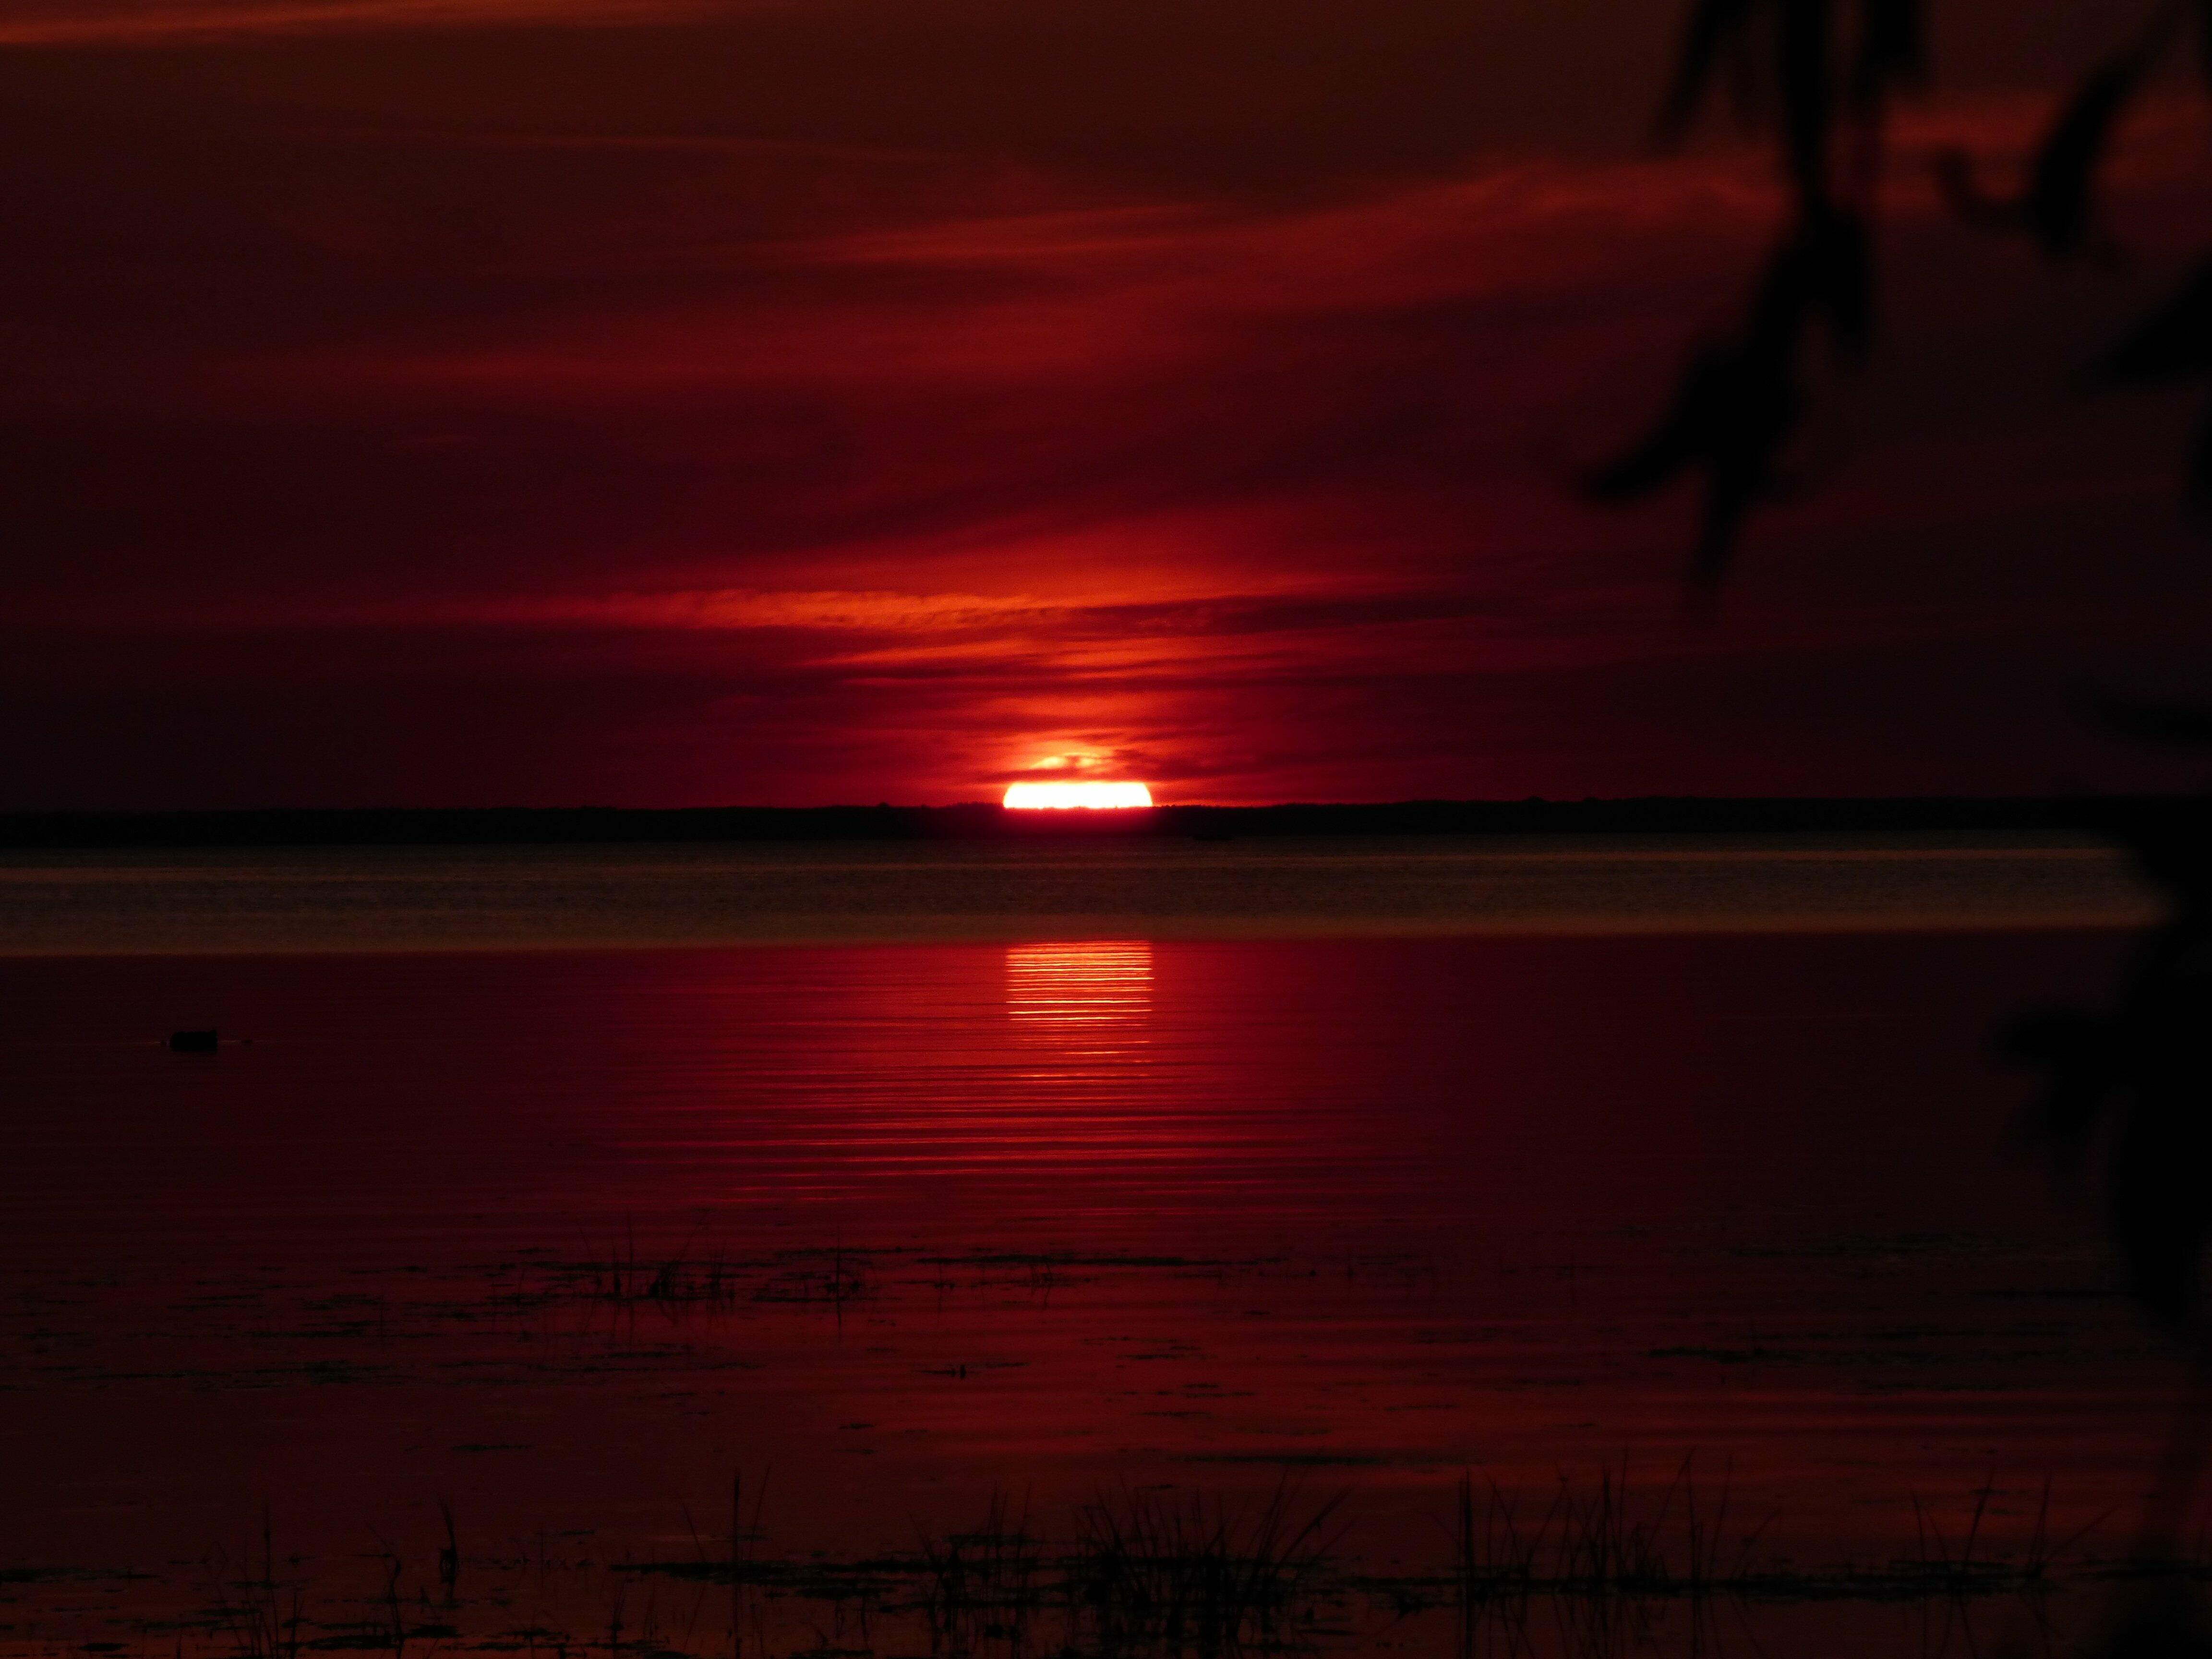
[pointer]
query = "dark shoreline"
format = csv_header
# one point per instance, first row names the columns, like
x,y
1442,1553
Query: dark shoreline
x,y
983,821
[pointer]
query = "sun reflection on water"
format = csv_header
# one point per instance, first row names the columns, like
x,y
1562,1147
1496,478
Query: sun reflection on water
x,y
1094,995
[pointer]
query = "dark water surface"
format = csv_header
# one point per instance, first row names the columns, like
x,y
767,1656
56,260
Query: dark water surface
x,y
567,1238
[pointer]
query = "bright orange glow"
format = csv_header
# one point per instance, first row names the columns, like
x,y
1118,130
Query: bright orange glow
x,y
1032,795
1083,995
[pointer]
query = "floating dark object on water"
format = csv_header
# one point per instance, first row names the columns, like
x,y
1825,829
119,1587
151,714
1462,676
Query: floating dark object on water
x,y
191,1042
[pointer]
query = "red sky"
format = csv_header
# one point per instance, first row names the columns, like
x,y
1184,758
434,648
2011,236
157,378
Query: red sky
x,y
455,402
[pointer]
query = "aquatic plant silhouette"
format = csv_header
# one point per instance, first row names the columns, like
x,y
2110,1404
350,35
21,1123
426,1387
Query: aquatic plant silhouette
x,y
1188,1573
263,1619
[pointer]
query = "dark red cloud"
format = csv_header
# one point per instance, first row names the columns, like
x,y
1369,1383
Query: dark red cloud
x,y
796,403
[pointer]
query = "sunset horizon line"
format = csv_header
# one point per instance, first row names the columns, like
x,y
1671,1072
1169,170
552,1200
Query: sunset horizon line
x,y
331,826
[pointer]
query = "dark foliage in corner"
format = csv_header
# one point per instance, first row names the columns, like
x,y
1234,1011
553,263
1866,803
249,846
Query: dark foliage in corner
x,y
1821,75
1824,74
1743,397
2134,1085
2130,1089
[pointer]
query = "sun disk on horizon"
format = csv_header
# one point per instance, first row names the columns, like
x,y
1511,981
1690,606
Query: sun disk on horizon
x,y
1030,796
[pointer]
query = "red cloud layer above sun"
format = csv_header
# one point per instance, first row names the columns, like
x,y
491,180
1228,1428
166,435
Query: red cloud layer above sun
x,y
787,403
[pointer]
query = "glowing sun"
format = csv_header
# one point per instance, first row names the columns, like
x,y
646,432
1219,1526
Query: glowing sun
x,y
1029,796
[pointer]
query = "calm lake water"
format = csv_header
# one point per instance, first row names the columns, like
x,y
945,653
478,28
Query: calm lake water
x,y
564,1189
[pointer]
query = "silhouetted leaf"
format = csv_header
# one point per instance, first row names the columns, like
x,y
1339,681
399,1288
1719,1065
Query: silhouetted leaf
x,y
2139,1081
2158,722
2159,1204
1824,268
2159,1619
2137,1084
1733,410
1807,96
1840,275
2173,343
2059,201
1740,400
1670,448
2057,206
1714,24
2173,849
1890,48
2076,1049
1964,195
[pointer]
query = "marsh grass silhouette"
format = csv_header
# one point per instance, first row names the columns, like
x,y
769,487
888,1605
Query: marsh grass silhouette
x,y
262,1615
1148,1568
1603,1562
1145,1573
